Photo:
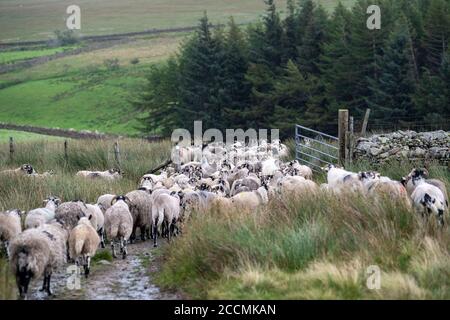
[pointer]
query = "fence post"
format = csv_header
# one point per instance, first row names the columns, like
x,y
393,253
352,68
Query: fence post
x,y
117,153
342,135
11,148
365,122
351,140
66,154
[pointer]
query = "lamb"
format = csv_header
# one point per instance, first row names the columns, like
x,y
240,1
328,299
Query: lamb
x,y
119,223
83,243
68,212
97,221
250,200
37,252
104,201
167,207
142,203
10,227
40,216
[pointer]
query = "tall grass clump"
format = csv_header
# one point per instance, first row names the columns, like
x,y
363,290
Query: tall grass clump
x,y
7,283
317,246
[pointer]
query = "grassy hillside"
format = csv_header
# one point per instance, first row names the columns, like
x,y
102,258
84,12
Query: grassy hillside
x,y
84,91
20,136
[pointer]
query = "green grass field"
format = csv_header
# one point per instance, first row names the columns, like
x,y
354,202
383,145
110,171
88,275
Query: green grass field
x,y
14,56
21,136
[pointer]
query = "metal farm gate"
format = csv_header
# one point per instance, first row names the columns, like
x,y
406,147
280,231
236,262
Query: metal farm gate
x,y
314,148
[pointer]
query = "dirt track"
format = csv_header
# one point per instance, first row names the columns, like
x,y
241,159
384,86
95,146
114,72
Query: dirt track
x,y
128,279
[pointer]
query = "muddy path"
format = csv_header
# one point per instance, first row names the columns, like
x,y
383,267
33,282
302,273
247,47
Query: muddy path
x,y
121,279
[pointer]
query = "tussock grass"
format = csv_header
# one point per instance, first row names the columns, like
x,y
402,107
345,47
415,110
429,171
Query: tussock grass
x,y
314,247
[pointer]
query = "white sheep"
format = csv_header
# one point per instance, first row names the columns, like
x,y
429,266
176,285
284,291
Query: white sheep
x,y
428,199
250,200
83,243
342,180
36,252
297,185
166,207
111,174
142,203
97,221
25,169
119,223
105,201
10,227
40,216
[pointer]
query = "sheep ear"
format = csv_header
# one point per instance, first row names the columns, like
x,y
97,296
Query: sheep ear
x,y
90,216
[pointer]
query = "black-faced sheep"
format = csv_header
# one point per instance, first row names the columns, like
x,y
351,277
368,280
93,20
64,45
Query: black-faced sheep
x,y
83,243
119,223
37,252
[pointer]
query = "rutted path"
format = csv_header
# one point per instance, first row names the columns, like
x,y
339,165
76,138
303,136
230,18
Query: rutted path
x,y
128,279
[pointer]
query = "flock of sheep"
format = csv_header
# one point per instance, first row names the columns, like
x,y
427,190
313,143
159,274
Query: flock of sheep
x,y
227,176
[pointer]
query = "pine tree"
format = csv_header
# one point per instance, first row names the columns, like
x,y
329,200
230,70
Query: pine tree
x,y
313,38
437,33
393,90
236,91
158,102
200,73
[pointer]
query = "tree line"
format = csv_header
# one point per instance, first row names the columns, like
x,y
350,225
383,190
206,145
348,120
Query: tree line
x,y
305,66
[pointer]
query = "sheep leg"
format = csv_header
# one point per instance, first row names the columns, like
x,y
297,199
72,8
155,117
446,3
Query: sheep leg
x,y
7,249
101,233
124,244
113,249
143,233
87,266
169,226
155,234
49,291
133,235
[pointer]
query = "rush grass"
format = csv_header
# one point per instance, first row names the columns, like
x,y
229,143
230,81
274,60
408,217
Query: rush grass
x,y
314,247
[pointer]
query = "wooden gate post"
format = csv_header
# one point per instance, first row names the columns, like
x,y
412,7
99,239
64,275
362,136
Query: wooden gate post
x,y
66,154
365,122
11,148
342,135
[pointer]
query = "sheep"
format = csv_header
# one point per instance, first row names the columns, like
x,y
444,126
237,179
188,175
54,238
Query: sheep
x,y
428,198
39,216
37,252
111,174
167,207
142,202
68,212
339,179
105,201
83,243
294,168
250,183
409,182
297,185
250,200
119,223
10,227
97,221
25,169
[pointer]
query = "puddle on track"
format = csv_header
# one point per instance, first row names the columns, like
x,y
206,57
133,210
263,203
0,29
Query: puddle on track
x,y
127,279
